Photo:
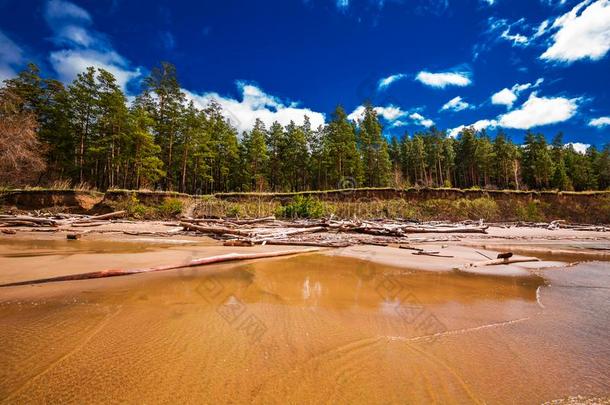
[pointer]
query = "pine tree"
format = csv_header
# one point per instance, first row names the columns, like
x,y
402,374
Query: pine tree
x,y
560,178
343,166
111,131
373,149
84,114
167,110
276,144
295,158
256,157
147,167
466,153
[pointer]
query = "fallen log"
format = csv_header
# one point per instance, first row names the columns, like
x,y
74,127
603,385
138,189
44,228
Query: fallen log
x,y
107,216
23,218
292,232
87,224
482,229
19,223
216,230
496,262
329,244
434,254
254,221
230,257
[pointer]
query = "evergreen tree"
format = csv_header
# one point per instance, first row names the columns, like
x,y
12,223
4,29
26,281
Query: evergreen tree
x,y
344,167
256,157
147,167
83,99
560,179
167,110
373,149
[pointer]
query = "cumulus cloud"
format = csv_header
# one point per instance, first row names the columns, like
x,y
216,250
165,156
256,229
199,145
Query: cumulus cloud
x,y
421,120
508,96
11,56
455,104
539,111
390,113
579,147
581,33
256,104
444,79
387,81
504,97
70,62
600,122
479,125
394,115
82,45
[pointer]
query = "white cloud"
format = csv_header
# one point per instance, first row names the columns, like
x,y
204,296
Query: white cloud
x,y
479,125
581,35
489,2
390,113
59,9
538,111
68,63
579,147
455,104
504,97
11,55
541,29
444,79
394,115
255,103
421,120
516,39
82,46
387,81
508,96
600,122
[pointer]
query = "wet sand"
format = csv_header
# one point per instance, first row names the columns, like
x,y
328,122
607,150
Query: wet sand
x,y
317,328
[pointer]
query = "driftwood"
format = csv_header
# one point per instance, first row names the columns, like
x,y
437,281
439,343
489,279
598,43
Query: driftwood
x,y
478,229
22,219
496,262
87,224
196,262
330,244
110,215
216,230
427,253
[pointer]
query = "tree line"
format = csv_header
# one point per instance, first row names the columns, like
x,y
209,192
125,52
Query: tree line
x,y
88,133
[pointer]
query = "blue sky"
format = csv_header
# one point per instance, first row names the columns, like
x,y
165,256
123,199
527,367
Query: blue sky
x,y
539,64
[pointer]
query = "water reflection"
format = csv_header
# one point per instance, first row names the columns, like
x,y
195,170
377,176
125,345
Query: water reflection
x,y
316,281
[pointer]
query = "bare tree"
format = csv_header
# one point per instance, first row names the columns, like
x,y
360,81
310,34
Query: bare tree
x,y
21,153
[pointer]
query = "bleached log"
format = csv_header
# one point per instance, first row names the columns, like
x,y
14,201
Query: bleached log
x,y
35,220
110,215
196,262
496,262
216,230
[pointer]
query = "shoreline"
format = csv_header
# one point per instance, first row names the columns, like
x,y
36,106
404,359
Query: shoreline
x,y
434,252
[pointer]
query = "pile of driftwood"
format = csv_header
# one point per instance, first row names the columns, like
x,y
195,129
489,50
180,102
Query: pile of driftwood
x,y
325,232
53,222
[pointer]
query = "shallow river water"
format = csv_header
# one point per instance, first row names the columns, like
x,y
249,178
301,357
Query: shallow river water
x,y
306,329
